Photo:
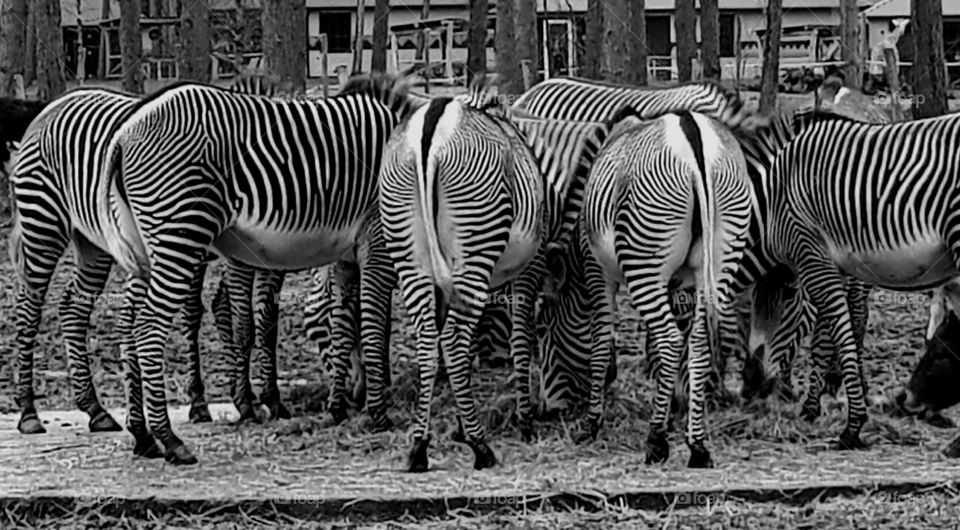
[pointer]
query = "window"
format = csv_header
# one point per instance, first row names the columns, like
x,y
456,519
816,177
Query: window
x,y
658,36
728,36
338,26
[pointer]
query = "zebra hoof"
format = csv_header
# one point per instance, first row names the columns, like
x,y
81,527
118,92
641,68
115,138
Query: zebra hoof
x,y
338,415
417,461
104,422
200,413
658,449
588,431
179,455
953,450
30,424
699,457
850,441
146,447
248,414
484,457
525,425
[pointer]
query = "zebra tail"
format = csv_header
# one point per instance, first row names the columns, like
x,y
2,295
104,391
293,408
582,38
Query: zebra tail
x,y
120,232
428,200
706,197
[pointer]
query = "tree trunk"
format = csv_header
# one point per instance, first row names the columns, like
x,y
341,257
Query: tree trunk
x,y
194,56
130,46
616,54
49,49
477,47
381,35
508,66
593,41
285,43
30,45
358,37
770,80
685,26
637,44
13,27
710,37
525,30
422,40
929,70
850,43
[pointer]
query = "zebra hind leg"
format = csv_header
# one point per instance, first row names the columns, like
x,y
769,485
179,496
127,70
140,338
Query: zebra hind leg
x,y
90,275
193,320
144,445
523,341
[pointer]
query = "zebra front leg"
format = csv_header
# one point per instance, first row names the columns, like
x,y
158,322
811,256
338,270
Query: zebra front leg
x,y
93,268
239,278
523,340
193,320
144,444
266,315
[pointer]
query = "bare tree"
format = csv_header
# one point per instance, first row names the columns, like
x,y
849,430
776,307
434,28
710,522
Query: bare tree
x,y
49,49
770,80
508,67
637,44
477,48
593,43
525,30
30,46
13,27
616,32
381,35
710,38
285,42
929,74
850,43
358,40
194,56
685,26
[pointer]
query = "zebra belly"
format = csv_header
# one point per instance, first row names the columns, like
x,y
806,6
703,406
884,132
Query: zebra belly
x,y
275,249
920,265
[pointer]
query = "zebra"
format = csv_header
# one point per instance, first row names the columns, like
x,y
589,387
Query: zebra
x,y
876,202
564,378
667,204
450,157
52,189
279,185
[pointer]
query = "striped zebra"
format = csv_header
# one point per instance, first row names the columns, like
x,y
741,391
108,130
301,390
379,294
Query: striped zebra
x,y
667,205
52,190
278,185
876,202
564,376
471,198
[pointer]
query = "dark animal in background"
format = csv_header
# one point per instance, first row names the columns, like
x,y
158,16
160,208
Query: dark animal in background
x,y
15,117
933,385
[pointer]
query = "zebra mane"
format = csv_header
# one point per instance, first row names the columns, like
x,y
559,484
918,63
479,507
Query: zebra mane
x,y
394,91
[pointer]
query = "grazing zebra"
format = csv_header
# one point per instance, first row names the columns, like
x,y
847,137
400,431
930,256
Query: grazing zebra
x,y
53,189
667,204
877,202
565,345
274,184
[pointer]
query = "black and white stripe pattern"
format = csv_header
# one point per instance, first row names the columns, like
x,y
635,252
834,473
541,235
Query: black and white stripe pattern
x,y
275,185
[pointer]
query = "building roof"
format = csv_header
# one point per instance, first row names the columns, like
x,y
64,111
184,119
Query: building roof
x,y
901,9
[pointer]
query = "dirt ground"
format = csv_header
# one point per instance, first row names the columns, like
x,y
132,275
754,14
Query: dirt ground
x,y
773,469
